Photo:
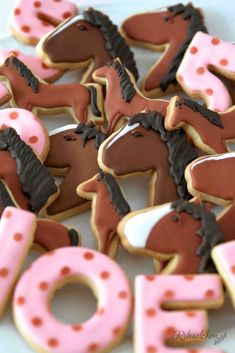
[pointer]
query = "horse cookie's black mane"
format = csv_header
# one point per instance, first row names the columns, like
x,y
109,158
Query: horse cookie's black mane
x,y
209,232
89,132
116,196
127,87
115,43
196,24
180,151
24,72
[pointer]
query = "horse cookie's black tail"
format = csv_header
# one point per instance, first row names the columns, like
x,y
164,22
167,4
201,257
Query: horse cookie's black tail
x,y
93,100
74,236
5,197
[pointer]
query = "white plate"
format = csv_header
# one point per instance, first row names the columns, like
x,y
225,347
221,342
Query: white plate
x,y
73,304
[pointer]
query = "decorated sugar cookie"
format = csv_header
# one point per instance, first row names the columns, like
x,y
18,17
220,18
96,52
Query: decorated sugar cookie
x,y
210,131
144,146
17,228
122,89
168,30
28,127
34,63
181,233
31,185
30,20
89,41
108,208
80,101
205,54
170,312
73,154
37,286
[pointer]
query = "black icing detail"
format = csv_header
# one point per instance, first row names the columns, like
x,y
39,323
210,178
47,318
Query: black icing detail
x,y
180,151
116,196
209,231
36,181
212,117
127,87
24,72
197,24
114,42
5,197
89,132
93,101
73,234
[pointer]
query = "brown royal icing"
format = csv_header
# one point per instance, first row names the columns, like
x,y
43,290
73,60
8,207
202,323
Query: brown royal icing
x,y
126,95
144,145
29,92
74,150
213,128
23,173
86,37
106,195
170,29
213,179
190,231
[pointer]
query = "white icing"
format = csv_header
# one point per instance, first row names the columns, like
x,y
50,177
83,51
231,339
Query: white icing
x,y
214,158
138,228
123,132
63,128
66,24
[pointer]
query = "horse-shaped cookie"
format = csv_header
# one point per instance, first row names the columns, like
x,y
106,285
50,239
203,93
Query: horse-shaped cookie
x,y
29,182
181,233
122,89
210,131
144,146
49,235
88,40
82,102
169,30
108,208
73,154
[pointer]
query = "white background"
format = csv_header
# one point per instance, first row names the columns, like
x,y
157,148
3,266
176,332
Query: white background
x,y
76,303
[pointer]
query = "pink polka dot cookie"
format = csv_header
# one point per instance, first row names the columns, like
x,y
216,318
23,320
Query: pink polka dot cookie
x,y
37,285
16,237
29,127
34,63
206,53
155,326
223,256
30,20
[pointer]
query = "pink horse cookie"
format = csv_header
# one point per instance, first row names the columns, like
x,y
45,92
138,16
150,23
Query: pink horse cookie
x,y
30,20
157,322
223,256
16,237
34,63
207,53
29,127
37,286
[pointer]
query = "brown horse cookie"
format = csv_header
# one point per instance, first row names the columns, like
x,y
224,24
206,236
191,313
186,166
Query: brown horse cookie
x,y
108,208
29,183
182,234
122,89
210,131
168,30
88,40
82,102
144,146
73,155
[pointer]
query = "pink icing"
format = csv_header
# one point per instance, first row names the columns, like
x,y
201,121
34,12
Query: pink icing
x,y
193,74
16,237
223,256
34,63
28,126
26,16
153,324
43,331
